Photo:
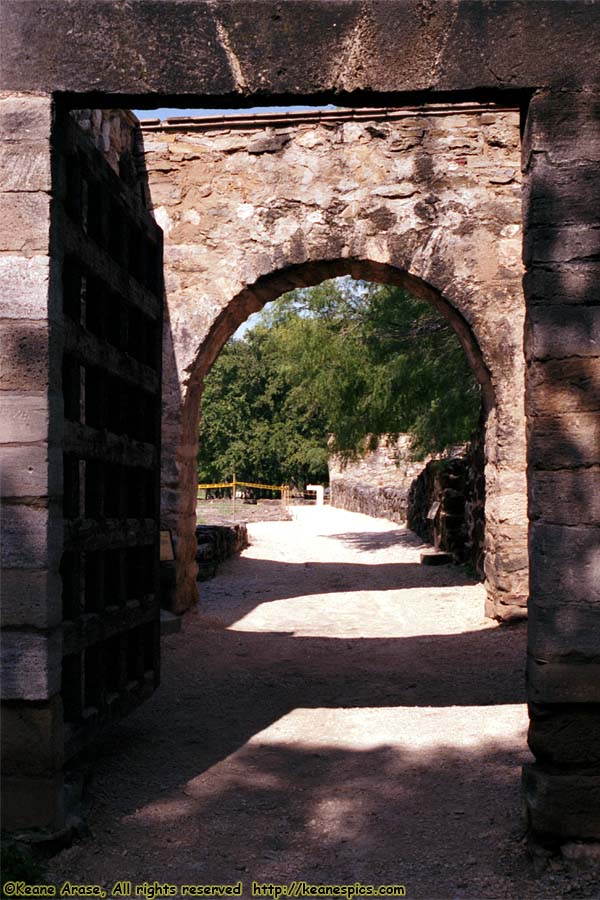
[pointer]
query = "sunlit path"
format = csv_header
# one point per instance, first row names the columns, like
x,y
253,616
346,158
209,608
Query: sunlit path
x,y
335,712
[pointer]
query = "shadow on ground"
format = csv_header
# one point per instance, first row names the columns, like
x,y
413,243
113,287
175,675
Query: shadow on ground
x,y
264,581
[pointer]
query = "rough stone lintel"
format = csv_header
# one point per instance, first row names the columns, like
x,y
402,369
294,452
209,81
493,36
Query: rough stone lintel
x,y
563,682
200,48
31,664
562,806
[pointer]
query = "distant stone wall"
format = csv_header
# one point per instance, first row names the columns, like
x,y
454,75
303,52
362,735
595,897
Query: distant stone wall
x,y
387,484
380,502
376,484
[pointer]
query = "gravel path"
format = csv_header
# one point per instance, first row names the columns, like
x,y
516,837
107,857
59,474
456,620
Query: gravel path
x,y
335,713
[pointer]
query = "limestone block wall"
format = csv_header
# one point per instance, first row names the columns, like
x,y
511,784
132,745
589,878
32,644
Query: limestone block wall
x,y
430,199
561,154
31,461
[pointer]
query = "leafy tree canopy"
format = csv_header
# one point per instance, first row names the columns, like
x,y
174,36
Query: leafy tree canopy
x,y
329,369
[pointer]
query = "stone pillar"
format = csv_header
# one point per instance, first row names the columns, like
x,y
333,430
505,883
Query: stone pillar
x,y
179,476
31,460
561,153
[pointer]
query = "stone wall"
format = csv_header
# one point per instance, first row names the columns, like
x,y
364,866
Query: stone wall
x,y
450,486
116,134
378,482
429,199
31,460
387,483
81,335
216,543
561,154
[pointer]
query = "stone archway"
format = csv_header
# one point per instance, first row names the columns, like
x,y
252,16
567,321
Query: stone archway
x,y
426,198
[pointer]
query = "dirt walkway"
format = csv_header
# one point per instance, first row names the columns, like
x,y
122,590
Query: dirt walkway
x,y
336,713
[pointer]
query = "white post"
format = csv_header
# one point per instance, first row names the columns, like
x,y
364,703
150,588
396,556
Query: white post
x,y
319,490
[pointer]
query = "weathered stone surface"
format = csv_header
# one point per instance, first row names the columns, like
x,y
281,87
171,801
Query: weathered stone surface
x,y
23,167
563,442
24,287
25,118
30,598
578,575
216,543
561,628
212,51
377,483
30,802
559,283
24,470
388,199
32,738
560,151
561,805
31,664
564,386
559,332
24,417
25,356
559,194
32,537
382,502
565,498
549,129
565,735
25,222
569,681
374,47
561,244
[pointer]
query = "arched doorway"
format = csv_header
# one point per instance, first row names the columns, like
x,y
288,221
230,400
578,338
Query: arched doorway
x,y
415,200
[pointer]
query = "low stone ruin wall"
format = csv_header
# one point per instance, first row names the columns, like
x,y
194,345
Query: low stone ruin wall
x,y
217,543
446,505
376,484
380,502
441,500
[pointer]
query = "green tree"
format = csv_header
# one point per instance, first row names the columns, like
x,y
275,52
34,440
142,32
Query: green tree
x,y
331,368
